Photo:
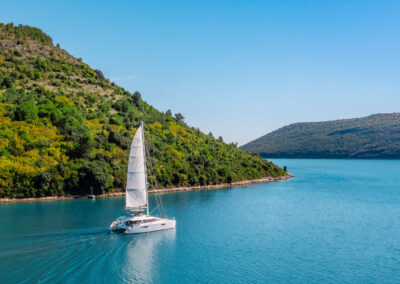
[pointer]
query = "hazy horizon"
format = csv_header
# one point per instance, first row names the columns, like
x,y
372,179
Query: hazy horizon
x,y
237,69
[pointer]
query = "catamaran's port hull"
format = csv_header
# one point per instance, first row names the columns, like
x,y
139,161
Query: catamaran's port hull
x,y
162,224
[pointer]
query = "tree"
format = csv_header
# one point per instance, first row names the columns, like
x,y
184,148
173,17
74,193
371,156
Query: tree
x,y
116,119
123,105
40,64
97,175
168,112
27,111
85,145
179,117
137,98
170,137
121,140
7,82
220,139
99,74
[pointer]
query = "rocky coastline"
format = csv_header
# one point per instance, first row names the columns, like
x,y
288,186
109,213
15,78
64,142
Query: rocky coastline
x,y
153,191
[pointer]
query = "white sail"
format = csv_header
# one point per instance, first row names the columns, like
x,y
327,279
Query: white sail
x,y
136,191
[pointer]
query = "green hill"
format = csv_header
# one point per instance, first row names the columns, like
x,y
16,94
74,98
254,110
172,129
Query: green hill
x,y
375,136
64,128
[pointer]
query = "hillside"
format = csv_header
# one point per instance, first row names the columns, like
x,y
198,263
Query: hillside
x,y
375,136
65,128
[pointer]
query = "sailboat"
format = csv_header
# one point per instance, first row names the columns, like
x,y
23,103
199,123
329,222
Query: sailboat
x,y
138,220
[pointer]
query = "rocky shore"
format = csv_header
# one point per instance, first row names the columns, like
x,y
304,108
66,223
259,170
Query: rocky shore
x,y
221,185
153,191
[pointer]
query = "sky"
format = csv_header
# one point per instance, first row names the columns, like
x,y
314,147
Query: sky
x,y
239,69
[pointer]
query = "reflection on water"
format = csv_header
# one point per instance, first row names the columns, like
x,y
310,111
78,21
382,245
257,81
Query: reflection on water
x,y
140,257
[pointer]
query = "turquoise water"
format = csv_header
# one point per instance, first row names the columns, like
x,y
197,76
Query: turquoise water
x,y
336,221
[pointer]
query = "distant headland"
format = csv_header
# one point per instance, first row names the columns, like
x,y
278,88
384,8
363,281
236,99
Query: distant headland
x,y
373,137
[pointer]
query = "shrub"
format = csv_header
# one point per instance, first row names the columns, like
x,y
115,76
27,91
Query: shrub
x,y
99,74
27,111
7,82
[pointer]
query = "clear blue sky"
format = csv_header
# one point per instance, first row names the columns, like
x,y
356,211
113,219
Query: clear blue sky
x,y
237,68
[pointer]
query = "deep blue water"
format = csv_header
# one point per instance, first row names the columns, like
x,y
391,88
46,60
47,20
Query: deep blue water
x,y
336,221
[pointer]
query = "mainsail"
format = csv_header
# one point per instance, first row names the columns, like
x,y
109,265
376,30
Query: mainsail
x,y
136,187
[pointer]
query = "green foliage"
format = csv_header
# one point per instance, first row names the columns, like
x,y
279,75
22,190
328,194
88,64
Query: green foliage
x,y
137,98
121,140
40,64
22,31
7,82
95,174
84,146
27,111
65,128
99,74
179,117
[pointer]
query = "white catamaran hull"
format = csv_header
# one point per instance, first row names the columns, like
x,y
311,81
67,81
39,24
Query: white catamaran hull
x,y
162,224
139,223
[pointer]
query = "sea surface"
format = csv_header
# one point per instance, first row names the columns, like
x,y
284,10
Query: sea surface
x,y
336,221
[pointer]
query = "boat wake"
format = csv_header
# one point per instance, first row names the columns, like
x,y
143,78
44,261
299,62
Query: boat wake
x,y
75,253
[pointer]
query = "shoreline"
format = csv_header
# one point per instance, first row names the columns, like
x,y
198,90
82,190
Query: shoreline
x,y
152,191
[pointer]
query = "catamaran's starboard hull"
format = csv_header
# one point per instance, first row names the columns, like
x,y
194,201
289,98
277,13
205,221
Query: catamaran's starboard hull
x,y
161,224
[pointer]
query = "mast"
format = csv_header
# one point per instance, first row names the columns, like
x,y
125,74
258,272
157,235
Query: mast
x,y
145,169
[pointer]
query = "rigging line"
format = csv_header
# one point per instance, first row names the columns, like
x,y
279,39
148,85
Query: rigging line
x,y
160,206
152,211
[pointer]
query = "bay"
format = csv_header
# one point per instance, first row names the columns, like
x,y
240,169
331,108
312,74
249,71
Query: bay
x,y
335,221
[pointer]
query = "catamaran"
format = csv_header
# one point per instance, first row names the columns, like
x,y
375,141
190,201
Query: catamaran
x,y
137,196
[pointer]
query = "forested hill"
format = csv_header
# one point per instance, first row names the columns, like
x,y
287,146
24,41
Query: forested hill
x,y
65,128
375,136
